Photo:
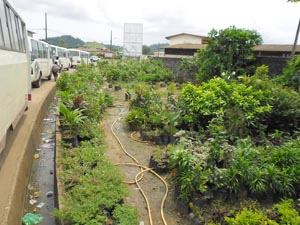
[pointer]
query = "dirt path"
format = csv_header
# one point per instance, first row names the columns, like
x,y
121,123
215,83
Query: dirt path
x,y
153,187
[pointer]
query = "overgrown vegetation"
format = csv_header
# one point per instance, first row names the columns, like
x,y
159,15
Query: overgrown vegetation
x,y
230,138
130,70
234,136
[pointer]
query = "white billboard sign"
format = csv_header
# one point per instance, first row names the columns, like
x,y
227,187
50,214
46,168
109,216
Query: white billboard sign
x,y
133,39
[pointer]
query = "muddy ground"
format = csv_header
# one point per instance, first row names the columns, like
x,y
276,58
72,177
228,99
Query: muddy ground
x,y
153,187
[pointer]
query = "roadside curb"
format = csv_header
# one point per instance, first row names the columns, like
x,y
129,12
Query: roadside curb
x,y
58,170
21,153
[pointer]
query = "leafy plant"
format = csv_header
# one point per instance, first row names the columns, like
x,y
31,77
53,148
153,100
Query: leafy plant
x,y
190,174
125,215
218,98
288,214
170,122
250,217
71,118
291,73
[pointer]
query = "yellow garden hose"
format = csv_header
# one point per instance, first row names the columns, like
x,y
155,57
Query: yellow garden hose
x,y
138,140
139,176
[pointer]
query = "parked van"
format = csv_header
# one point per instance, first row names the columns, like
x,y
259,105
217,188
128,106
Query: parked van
x,y
62,54
40,61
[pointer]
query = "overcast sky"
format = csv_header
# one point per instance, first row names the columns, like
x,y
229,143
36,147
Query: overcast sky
x,y
93,20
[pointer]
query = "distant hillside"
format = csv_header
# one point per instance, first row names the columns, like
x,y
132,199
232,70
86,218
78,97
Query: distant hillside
x,y
94,45
66,41
69,41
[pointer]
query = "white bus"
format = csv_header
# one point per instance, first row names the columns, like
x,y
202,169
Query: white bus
x,y
62,55
78,56
85,57
15,84
41,62
74,55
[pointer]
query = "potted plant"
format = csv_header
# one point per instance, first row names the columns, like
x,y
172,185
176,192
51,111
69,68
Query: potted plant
x,y
71,121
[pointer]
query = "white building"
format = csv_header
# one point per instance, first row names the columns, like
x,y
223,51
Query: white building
x,y
185,44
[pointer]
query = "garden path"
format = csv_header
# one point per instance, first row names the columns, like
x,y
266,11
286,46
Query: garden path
x,y
151,185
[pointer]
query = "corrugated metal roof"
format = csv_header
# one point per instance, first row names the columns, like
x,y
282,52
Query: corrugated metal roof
x,y
175,35
187,46
275,48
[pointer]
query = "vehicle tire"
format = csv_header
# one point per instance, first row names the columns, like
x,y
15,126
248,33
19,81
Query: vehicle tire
x,y
38,83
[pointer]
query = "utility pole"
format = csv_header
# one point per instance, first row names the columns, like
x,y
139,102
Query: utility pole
x,y
295,42
111,40
46,36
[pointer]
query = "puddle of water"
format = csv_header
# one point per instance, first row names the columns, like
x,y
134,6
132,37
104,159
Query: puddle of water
x,y
41,189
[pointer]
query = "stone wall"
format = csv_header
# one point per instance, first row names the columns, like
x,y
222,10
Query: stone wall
x,y
276,65
172,63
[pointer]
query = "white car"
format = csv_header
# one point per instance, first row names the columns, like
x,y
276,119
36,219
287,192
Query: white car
x,y
94,58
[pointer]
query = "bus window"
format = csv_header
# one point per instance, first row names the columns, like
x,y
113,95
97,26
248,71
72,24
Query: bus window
x,y
52,51
1,35
2,20
5,33
24,34
41,50
8,24
14,30
73,53
47,51
20,34
60,52
19,42
34,50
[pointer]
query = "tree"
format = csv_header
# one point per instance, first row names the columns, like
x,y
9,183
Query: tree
x,y
62,42
229,52
146,50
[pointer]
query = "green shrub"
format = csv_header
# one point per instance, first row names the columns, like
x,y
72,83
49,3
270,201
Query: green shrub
x,y
291,73
250,217
125,215
199,105
288,215
285,115
136,119
93,186
190,175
